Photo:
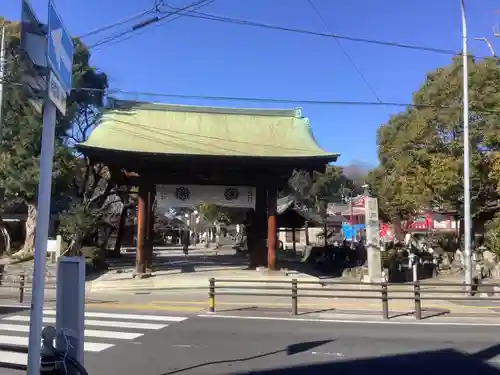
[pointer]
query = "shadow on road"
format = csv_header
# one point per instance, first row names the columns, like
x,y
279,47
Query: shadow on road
x,y
289,350
209,262
428,363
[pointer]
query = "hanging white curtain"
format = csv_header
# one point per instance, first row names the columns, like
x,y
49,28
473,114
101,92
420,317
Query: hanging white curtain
x,y
173,196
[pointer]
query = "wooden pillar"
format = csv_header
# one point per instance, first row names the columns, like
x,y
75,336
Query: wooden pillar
x,y
294,240
150,221
272,198
140,260
256,231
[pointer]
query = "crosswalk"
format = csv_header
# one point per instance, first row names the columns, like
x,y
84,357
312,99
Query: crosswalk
x,y
102,330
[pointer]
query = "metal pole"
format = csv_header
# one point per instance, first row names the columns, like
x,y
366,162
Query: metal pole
x,y
467,218
41,236
2,77
490,46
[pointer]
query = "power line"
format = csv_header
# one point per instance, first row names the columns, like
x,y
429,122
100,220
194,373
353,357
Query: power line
x,y
361,75
213,17
281,100
180,12
119,23
267,100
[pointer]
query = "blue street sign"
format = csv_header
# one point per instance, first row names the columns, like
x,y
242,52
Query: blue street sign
x,y
59,48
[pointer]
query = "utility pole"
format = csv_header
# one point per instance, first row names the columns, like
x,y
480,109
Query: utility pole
x,y
2,77
467,215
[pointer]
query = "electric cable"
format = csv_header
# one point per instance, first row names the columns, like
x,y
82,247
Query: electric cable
x,y
346,54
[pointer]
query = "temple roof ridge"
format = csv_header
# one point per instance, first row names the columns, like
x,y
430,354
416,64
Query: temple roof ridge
x,y
152,106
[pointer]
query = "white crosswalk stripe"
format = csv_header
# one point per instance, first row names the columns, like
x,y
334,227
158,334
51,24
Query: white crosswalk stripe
x,y
14,330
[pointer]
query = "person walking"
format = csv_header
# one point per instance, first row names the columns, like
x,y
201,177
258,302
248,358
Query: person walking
x,y
185,242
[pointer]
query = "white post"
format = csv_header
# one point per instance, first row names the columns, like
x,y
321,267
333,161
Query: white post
x,y
41,237
70,306
415,271
467,217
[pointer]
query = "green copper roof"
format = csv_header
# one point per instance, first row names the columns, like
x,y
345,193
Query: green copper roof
x,y
191,130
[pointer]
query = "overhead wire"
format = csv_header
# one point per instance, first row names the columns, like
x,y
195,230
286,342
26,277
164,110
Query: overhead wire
x,y
282,100
213,17
178,12
119,23
110,92
346,54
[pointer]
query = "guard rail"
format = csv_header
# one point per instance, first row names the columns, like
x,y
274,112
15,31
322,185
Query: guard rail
x,y
383,292
16,285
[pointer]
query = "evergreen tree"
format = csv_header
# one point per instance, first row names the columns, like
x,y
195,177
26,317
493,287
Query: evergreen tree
x,y
22,128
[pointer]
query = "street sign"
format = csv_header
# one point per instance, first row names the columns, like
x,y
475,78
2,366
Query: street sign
x,y
59,48
34,58
57,94
33,38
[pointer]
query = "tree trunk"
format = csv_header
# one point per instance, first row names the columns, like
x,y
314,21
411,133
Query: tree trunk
x,y
74,247
30,228
6,237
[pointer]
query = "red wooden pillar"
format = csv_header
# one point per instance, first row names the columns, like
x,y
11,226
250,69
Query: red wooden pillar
x,y
150,221
272,198
140,260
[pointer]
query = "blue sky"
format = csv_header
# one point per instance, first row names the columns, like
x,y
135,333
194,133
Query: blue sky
x,y
200,57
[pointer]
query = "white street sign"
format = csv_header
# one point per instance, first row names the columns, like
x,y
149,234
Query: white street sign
x,y
57,94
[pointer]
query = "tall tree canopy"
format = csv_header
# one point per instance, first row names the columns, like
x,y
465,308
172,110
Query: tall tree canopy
x,y
22,128
315,190
421,149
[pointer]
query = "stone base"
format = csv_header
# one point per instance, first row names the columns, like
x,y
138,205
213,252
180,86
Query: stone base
x,y
141,276
366,279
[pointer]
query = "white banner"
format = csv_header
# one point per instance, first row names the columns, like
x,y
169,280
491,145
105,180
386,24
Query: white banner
x,y
173,196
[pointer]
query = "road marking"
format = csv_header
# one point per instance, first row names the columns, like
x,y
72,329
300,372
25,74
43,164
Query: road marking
x,y
23,341
146,307
112,334
15,358
88,332
162,318
89,322
393,322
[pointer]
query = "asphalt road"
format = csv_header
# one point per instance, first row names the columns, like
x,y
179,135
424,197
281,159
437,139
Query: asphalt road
x,y
152,343
203,345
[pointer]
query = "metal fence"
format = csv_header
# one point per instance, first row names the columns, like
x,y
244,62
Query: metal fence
x,y
383,292
17,286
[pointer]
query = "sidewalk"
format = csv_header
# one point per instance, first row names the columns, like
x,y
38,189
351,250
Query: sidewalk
x,y
199,302
182,283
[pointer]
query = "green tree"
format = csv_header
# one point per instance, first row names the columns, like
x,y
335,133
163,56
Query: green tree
x,y
493,234
421,149
20,147
215,213
315,190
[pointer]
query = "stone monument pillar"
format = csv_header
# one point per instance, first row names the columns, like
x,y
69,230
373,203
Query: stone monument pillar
x,y
373,241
